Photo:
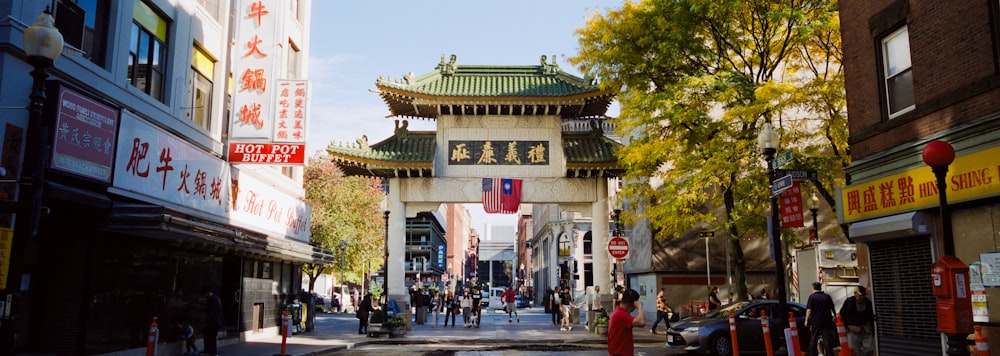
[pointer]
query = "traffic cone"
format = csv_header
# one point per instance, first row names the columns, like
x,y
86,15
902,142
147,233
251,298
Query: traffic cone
x,y
286,323
154,335
794,331
982,343
845,349
767,333
732,333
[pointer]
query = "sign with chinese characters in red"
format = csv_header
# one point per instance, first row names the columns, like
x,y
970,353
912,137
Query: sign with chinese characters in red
x,y
158,164
255,54
84,141
270,153
971,176
260,206
290,123
791,206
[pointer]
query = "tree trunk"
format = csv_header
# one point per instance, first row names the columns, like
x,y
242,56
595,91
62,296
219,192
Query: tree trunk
x,y
739,265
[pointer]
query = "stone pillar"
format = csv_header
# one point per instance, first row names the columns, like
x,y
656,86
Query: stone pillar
x,y
599,235
397,245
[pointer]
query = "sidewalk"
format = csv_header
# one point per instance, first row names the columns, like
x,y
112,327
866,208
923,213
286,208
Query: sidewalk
x,y
337,332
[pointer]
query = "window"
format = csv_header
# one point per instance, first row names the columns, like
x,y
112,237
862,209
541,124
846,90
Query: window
x,y
588,242
293,61
84,25
293,5
202,72
147,51
565,245
897,72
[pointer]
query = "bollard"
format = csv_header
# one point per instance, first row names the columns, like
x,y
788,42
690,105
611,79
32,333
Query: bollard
x,y
982,343
286,323
733,335
794,331
845,348
764,324
154,336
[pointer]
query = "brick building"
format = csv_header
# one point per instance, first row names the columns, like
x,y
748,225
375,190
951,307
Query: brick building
x,y
918,71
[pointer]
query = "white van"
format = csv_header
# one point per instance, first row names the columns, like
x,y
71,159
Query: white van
x,y
495,301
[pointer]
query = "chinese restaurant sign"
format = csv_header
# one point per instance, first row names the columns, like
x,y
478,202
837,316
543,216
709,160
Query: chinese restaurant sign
x,y
265,109
498,152
6,242
971,176
254,58
260,206
155,163
84,141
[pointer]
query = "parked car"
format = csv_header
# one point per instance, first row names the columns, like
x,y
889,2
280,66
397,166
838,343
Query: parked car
x,y
522,302
710,333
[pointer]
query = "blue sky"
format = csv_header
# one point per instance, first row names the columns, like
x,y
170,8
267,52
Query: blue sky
x,y
355,42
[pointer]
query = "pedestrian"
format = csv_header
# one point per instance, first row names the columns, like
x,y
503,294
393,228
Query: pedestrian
x,y
186,331
819,320
213,321
620,342
555,306
466,303
510,303
420,304
451,307
435,301
567,308
335,304
477,299
362,312
713,299
663,311
764,294
595,303
859,318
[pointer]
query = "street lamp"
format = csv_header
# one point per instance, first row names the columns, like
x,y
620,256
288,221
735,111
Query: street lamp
x,y
939,155
813,208
617,216
767,141
385,281
42,44
343,252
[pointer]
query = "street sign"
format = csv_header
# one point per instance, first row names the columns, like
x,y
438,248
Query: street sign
x,y
782,159
618,247
797,174
781,184
706,233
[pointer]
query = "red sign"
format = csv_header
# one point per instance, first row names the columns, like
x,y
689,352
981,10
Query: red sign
x,y
618,247
791,206
267,153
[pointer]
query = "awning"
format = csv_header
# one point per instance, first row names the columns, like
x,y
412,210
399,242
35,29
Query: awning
x,y
914,223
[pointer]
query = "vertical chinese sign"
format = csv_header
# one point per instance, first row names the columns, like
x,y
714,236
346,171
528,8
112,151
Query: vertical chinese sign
x,y
269,114
791,206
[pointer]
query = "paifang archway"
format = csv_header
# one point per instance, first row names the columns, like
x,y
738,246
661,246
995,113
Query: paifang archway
x,y
492,121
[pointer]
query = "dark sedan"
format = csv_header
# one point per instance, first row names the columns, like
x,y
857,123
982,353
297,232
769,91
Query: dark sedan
x,y
710,333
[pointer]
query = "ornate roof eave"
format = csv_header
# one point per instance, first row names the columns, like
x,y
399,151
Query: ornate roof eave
x,y
591,170
403,103
359,167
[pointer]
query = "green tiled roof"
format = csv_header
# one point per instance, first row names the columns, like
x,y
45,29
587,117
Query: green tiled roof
x,y
411,154
499,90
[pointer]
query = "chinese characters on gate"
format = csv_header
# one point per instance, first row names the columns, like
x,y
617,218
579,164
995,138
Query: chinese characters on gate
x,y
498,152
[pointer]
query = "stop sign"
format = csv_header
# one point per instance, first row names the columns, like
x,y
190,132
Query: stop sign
x,y
618,247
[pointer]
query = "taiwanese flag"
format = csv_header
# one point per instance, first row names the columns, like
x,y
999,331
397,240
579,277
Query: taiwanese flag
x,y
501,195
511,196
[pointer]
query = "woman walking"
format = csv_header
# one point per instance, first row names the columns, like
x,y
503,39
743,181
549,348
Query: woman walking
x,y
362,313
466,303
451,307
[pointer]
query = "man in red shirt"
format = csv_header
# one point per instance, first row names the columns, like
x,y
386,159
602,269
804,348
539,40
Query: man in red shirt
x,y
510,306
620,325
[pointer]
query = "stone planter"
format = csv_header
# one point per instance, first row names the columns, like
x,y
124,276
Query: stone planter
x,y
395,332
601,329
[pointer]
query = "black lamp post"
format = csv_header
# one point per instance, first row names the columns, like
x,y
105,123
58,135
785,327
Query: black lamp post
x,y
343,253
767,141
616,215
385,280
42,43
813,208
939,155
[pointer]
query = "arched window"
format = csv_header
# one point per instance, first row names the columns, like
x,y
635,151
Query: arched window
x,y
565,245
588,242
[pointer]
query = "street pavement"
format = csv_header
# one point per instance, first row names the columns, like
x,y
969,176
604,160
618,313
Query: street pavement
x,y
337,334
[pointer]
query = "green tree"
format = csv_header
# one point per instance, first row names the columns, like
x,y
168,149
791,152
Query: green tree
x,y
343,209
698,79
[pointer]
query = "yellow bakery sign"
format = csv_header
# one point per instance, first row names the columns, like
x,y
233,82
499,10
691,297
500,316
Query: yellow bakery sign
x,y
970,176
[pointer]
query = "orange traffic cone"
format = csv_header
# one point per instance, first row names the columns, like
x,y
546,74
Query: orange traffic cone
x,y
845,349
767,333
154,335
982,344
732,333
794,330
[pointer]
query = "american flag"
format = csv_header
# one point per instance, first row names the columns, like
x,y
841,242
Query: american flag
x,y
492,195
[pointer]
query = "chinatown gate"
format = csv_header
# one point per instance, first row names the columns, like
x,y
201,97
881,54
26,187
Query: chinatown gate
x,y
492,121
